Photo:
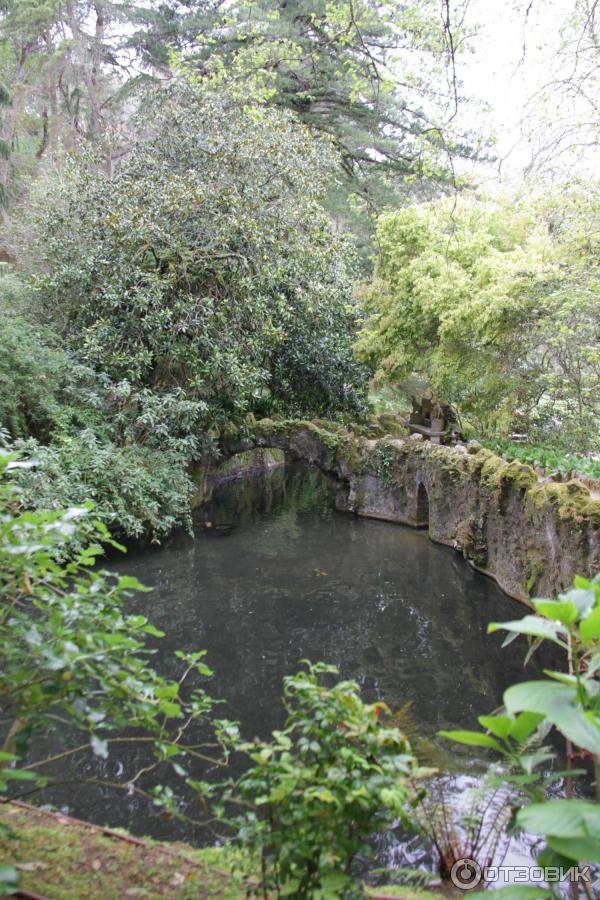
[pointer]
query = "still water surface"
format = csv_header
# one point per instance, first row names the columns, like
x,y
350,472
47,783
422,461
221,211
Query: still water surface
x,y
279,576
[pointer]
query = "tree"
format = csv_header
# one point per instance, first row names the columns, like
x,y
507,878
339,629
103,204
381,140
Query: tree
x,y
562,118
570,364
352,71
163,27
205,262
71,68
5,100
496,305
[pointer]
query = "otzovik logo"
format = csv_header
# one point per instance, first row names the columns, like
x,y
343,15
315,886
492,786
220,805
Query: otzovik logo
x,y
466,874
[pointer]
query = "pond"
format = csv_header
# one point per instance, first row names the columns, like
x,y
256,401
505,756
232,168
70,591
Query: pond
x,y
275,575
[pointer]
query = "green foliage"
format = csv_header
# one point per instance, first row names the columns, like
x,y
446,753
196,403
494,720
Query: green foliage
x,y
5,100
496,305
384,463
196,286
64,67
553,462
93,439
352,70
446,299
139,491
30,374
571,827
205,263
72,658
370,77
14,293
332,777
9,880
568,701
164,27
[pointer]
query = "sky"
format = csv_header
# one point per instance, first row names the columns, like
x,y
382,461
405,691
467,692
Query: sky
x,y
513,57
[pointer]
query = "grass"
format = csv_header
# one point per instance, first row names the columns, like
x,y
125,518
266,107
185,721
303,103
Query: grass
x,y
58,858
63,861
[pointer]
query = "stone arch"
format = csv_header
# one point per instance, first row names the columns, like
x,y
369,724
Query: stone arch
x,y
422,506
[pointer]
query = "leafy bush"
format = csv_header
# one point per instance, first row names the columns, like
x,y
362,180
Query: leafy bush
x,y
448,293
330,779
205,262
495,304
15,293
198,283
69,651
92,439
567,701
551,461
30,376
138,491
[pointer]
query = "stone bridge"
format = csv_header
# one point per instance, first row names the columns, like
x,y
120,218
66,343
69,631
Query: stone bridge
x,y
531,535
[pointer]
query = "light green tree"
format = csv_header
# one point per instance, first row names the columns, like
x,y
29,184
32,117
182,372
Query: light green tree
x,y
495,304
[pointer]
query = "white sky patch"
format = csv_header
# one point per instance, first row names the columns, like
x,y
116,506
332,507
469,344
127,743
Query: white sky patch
x,y
513,58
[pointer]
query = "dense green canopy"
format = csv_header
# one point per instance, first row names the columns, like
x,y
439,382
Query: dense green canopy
x,y
375,78
205,262
495,303
354,70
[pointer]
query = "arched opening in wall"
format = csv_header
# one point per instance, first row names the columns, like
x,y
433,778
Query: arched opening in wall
x,y
422,506
246,462
264,480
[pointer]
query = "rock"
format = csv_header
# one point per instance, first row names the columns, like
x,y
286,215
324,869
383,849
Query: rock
x,y
533,537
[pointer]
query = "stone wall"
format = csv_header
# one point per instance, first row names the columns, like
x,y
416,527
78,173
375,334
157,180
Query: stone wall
x,y
531,535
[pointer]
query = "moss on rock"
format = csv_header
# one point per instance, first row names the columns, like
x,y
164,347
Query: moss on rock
x,y
572,501
529,534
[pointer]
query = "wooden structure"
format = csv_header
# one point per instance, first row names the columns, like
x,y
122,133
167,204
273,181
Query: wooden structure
x,y
437,422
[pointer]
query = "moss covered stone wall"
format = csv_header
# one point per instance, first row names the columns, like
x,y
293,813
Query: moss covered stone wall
x,y
531,535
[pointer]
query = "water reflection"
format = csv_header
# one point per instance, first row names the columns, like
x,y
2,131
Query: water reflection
x,y
273,576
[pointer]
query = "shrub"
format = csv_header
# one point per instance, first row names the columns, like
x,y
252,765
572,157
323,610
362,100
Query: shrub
x,y
495,305
73,658
550,460
331,778
205,262
138,491
30,377
568,701
93,439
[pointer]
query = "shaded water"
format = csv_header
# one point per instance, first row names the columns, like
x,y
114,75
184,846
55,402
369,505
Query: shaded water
x,y
280,576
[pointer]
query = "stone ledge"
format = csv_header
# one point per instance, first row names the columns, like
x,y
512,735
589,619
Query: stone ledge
x,y
532,536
